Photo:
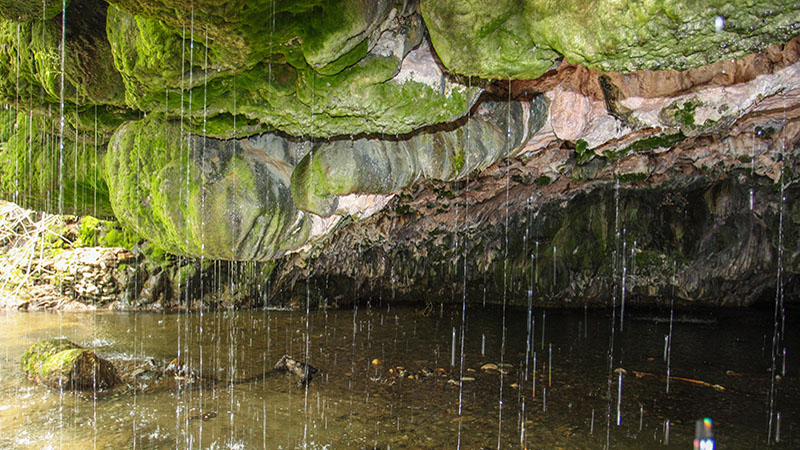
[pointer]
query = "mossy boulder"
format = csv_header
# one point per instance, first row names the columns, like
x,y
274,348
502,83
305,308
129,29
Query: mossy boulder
x,y
61,364
199,196
501,39
374,166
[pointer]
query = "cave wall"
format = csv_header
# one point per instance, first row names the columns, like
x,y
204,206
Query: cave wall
x,y
396,147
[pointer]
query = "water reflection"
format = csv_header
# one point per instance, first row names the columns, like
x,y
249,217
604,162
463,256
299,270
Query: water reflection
x,y
389,378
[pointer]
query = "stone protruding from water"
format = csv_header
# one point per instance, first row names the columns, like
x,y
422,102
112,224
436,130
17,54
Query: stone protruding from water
x,y
302,371
62,364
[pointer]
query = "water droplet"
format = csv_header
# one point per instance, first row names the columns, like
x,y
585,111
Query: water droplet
x,y
719,23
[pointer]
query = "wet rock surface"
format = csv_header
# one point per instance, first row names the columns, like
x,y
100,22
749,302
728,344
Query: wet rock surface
x,y
352,144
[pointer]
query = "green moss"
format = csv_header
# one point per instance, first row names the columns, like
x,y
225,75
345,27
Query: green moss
x,y
120,236
498,39
634,177
60,363
37,173
26,11
35,355
201,197
684,115
30,60
764,132
542,180
88,232
404,209
457,159
662,141
486,40
312,76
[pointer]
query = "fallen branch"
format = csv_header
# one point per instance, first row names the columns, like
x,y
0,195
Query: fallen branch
x,y
687,380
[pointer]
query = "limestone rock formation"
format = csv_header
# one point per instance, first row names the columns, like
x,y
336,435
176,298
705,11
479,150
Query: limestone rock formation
x,y
407,147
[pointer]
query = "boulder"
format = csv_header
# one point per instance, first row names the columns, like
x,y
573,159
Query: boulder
x,y
62,364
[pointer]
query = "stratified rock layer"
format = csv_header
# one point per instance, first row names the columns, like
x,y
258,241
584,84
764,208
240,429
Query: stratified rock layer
x,y
346,140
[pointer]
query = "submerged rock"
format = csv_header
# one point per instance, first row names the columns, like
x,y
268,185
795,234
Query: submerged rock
x,y
61,364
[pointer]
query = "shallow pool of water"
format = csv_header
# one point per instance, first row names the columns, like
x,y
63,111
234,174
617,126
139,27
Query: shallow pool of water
x,y
389,378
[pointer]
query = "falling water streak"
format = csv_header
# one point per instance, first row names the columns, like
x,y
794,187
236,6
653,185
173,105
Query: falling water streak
x,y
533,391
666,432
505,273
16,118
544,399
181,358
783,368
453,350
306,358
61,111
669,338
641,417
190,142
544,316
777,333
94,204
624,279
528,321
555,269
609,380
619,399
483,344
463,286
75,161
591,423
550,367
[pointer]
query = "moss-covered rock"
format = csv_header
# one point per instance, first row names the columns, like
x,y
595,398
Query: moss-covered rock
x,y
305,76
31,59
40,170
26,10
523,39
61,364
202,197
486,39
373,166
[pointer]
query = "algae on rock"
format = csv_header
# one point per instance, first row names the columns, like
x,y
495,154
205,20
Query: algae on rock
x,y
30,59
304,77
524,39
61,364
200,196
37,174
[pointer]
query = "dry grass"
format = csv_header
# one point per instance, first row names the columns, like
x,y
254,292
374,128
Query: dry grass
x,y
25,243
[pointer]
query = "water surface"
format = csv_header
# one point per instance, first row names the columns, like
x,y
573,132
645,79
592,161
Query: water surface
x,y
386,380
